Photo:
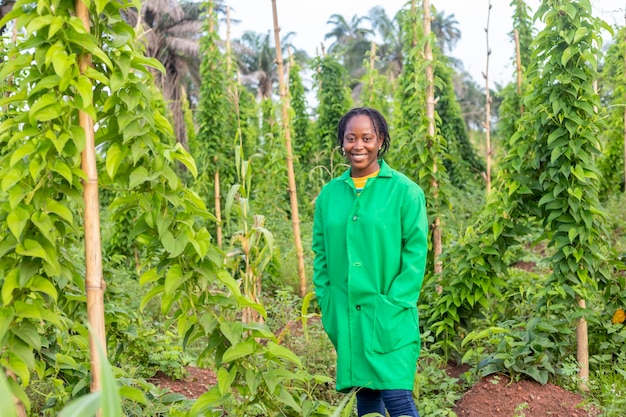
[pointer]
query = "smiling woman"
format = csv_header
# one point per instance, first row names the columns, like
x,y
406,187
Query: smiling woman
x,y
370,242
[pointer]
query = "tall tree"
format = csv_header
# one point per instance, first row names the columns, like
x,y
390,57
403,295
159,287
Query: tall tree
x,y
390,51
351,42
171,32
446,30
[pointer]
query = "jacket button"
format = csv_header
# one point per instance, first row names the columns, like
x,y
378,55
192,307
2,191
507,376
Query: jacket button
x,y
355,217
358,307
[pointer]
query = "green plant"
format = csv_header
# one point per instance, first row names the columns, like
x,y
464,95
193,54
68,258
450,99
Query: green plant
x,y
607,388
519,410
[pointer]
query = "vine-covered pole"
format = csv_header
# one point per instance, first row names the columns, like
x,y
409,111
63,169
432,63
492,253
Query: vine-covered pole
x,y
94,282
293,195
518,61
216,176
625,118
430,114
488,106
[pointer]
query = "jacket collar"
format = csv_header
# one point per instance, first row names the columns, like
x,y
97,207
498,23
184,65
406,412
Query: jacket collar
x,y
385,171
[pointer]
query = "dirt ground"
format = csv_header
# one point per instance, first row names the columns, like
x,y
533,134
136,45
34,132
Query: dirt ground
x,y
494,396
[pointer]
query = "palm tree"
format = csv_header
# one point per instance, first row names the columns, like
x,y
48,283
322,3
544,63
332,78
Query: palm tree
x,y
255,54
171,33
390,51
351,42
445,28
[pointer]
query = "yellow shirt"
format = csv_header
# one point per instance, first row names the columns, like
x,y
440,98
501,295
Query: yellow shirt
x,y
359,183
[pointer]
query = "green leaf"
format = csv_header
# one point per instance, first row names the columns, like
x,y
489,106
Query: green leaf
x,y
111,401
22,152
580,33
60,210
6,319
239,350
134,394
186,159
232,331
283,352
151,294
567,55
150,275
6,399
225,379
85,89
286,398
44,285
17,220
173,279
87,405
11,282
114,156
37,23
138,176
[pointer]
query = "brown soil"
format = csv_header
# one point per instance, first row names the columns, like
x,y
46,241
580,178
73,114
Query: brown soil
x,y
497,396
197,382
493,396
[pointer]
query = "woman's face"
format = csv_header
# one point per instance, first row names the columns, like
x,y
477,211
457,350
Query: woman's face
x,y
361,145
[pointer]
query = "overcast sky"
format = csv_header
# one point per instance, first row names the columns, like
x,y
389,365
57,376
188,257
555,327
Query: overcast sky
x,y
307,19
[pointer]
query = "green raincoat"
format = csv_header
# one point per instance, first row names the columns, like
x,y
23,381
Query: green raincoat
x,y
370,256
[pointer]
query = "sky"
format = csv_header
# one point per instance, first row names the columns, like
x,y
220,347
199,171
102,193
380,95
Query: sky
x,y
308,20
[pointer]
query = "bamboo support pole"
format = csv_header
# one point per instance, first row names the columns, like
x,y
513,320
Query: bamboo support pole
x,y
518,61
94,281
624,52
293,195
488,107
216,176
372,64
582,350
430,114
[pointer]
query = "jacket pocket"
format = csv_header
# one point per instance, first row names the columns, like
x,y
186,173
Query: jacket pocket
x,y
328,318
395,327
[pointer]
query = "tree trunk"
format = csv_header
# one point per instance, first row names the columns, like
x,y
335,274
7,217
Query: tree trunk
x,y
293,195
430,114
94,281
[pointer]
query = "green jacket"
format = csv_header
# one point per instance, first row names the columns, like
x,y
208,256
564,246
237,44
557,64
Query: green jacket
x,y
370,256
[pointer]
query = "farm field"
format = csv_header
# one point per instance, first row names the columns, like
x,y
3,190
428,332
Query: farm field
x,y
157,197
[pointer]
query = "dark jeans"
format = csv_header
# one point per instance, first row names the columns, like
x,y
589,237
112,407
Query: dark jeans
x,y
398,402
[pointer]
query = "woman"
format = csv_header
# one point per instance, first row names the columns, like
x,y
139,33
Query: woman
x,y
370,243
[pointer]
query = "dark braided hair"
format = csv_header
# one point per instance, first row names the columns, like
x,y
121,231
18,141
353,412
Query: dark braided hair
x,y
378,121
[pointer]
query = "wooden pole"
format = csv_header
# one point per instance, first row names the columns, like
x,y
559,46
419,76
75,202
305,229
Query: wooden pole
x,y
518,60
430,114
582,350
488,106
94,281
624,52
216,176
293,195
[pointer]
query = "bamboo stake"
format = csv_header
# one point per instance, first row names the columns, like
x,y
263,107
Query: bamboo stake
x,y
518,59
94,281
488,106
624,52
293,195
582,350
372,64
430,114
216,176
